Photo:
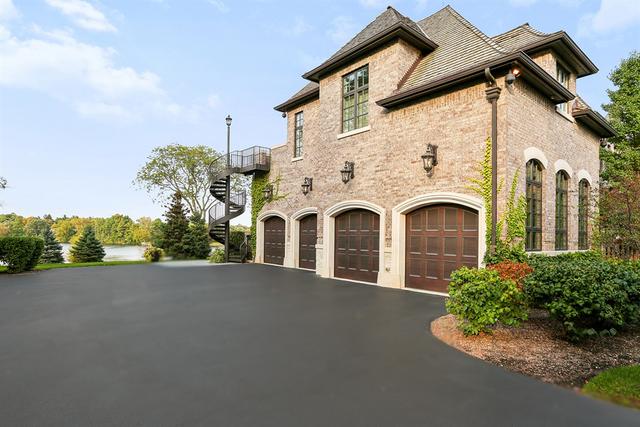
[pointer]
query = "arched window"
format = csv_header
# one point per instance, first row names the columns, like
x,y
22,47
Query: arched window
x,y
583,214
562,207
534,206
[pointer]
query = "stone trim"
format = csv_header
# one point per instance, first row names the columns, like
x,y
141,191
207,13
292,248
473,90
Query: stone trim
x,y
353,132
537,154
260,236
583,174
563,165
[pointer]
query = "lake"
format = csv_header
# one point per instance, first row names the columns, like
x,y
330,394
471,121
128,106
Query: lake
x,y
113,253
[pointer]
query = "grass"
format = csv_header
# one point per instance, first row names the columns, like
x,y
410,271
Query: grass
x,y
40,267
619,385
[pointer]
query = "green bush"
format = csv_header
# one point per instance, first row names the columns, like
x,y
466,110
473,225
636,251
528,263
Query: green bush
x,y
153,254
217,256
588,294
480,299
20,253
506,252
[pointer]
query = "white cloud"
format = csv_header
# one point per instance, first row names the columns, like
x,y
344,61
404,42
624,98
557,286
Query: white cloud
x,y
213,101
83,14
342,29
612,16
84,76
7,10
220,5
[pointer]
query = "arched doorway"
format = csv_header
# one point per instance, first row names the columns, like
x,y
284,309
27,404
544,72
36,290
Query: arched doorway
x,y
357,245
274,240
308,235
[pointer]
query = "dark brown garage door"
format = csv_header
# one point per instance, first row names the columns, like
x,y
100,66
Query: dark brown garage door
x,y
439,240
357,245
274,240
308,237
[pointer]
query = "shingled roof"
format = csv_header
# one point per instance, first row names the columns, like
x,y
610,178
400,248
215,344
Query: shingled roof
x,y
519,37
586,115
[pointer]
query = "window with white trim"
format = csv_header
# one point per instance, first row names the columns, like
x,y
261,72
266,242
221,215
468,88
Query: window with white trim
x,y
355,99
562,75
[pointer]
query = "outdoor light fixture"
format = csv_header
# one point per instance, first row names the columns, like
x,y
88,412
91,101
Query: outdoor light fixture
x,y
307,185
267,193
228,120
512,76
347,171
430,158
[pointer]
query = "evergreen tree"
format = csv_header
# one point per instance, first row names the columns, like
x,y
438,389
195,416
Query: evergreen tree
x,y
195,243
52,253
176,227
87,248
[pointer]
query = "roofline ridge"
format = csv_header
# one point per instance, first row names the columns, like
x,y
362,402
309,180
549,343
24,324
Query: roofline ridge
x,y
476,31
535,31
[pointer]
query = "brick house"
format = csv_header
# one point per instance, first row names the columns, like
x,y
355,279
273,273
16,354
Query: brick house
x,y
374,107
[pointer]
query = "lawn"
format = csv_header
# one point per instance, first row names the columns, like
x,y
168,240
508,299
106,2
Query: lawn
x,y
3,269
620,385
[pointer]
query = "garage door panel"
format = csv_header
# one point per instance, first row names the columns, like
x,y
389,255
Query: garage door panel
x,y
449,234
356,250
308,239
274,237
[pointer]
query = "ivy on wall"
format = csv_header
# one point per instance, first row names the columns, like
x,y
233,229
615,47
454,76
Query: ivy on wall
x,y
258,183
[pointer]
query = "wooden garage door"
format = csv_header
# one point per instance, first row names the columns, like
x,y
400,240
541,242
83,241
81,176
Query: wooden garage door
x,y
308,237
274,240
357,243
439,240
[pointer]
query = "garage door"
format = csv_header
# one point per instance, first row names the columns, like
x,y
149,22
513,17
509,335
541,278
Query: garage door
x,y
439,240
357,243
274,240
308,237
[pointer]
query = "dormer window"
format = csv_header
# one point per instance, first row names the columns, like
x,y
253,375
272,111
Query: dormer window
x,y
355,99
562,75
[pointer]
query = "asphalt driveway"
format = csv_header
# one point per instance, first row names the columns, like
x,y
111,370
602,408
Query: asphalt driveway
x,y
249,345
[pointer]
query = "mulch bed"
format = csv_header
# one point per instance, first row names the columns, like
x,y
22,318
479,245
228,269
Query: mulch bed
x,y
538,349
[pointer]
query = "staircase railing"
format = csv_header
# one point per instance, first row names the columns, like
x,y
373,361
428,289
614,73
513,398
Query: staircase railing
x,y
248,160
218,210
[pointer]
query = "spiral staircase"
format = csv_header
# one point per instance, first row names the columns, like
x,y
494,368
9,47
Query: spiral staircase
x,y
246,162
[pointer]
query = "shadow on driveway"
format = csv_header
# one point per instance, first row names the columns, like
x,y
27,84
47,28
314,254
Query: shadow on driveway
x,y
236,345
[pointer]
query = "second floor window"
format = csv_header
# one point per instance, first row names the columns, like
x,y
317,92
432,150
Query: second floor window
x,y
562,75
562,207
355,99
297,146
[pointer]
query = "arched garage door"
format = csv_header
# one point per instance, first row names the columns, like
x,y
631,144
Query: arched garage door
x,y
357,244
307,246
439,240
274,236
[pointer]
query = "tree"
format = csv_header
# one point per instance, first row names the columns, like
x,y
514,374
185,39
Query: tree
x,y
195,243
64,230
35,227
52,252
87,248
179,168
176,226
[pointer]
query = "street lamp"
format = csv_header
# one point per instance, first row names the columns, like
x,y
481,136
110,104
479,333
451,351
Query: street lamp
x,y
227,197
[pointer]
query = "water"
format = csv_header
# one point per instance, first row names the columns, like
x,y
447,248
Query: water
x,y
113,253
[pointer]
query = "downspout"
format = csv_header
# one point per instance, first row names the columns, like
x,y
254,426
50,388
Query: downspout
x,y
492,92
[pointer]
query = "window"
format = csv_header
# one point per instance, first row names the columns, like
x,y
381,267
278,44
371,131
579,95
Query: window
x,y
297,145
534,206
355,100
562,206
562,75
583,214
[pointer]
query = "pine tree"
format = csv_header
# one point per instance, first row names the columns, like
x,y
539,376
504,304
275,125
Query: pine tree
x,y
195,243
175,228
52,253
87,248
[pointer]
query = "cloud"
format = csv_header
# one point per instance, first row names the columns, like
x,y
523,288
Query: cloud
x,y
612,16
83,14
297,28
213,101
7,10
220,5
342,29
85,76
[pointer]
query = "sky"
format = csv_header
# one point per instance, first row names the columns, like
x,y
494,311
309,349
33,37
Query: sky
x,y
89,87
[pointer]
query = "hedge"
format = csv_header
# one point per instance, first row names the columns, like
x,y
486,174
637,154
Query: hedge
x,y
20,253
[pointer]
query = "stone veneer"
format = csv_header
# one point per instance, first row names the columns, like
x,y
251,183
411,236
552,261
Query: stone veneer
x,y
388,166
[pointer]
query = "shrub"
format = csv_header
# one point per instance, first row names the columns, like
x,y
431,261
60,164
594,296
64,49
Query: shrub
x,y
217,256
480,299
153,254
505,252
20,253
588,294
510,270
87,248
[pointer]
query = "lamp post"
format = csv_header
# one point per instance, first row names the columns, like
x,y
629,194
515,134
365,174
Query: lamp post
x,y
227,196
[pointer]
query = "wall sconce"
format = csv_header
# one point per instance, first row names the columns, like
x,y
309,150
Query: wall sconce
x,y
307,185
430,158
347,171
511,77
267,193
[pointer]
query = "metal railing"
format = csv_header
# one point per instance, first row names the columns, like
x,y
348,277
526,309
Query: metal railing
x,y
253,158
217,210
